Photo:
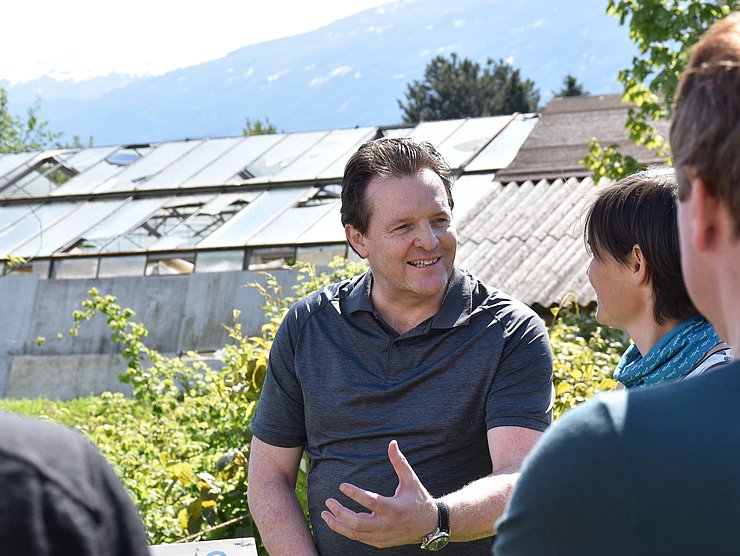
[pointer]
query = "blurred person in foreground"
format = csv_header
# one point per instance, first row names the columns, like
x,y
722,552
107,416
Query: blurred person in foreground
x,y
632,233
60,496
655,470
414,355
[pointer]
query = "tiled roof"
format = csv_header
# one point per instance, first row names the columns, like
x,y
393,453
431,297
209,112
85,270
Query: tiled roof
x,y
526,239
560,139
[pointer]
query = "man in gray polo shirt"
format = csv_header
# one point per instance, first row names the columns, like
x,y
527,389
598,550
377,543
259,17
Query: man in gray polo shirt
x,y
415,355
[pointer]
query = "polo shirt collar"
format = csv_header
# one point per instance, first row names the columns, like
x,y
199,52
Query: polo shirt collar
x,y
358,298
456,306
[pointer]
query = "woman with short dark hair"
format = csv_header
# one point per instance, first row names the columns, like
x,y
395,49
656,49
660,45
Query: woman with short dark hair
x,y
632,232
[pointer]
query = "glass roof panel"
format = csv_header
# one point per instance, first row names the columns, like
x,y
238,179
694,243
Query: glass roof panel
x,y
148,166
37,221
289,226
340,144
87,158
12,213
128,216
232,162
220,202
467,191
504,148
200,224
173,215
255,216
9,162
189,200
68,228
39,176
435,132
190,164
398,132
327,229
90,179
282,155
336,170
460,147
30,185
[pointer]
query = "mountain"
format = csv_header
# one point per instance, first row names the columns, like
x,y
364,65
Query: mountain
x,y
348,73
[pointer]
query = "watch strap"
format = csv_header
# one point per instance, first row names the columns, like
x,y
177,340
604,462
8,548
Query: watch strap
x,y
443,516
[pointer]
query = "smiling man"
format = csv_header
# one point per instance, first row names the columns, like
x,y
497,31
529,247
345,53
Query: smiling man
x,y
414,355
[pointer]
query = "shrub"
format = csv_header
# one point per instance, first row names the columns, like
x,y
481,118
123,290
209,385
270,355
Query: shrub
x,y
182,444
584,355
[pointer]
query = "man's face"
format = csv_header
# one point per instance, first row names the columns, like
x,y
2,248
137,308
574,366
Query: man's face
x,y
410,242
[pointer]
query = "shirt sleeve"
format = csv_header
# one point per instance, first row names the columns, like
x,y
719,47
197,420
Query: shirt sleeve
x,y
279,419
522,394
571,498
123,529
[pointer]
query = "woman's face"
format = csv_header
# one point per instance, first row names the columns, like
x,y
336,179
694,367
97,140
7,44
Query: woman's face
x,y
618,302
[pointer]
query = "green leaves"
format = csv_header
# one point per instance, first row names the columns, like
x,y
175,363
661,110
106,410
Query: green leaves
x,y
18,134
182,444
257,127
608,162
584,355
664,31
181,471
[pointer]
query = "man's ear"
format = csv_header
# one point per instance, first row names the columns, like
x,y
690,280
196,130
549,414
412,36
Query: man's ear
x,y
356,239
704,210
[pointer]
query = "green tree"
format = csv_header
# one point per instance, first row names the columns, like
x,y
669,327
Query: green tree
x,y
257,127
664,31
571,88
460,88
18,134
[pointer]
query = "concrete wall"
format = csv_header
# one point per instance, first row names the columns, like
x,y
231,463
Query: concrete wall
x,y
182,313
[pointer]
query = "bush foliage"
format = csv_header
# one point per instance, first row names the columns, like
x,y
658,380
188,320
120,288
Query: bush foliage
x,y
584,355
181,444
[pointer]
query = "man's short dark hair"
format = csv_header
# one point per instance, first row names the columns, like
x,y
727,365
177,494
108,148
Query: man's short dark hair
x,y
705,132
641,210
384,158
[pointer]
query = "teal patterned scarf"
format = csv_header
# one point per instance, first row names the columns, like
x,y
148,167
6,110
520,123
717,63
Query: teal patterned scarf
x,y
672,357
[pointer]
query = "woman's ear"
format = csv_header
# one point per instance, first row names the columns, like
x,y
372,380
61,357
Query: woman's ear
x,y
638,265
356,239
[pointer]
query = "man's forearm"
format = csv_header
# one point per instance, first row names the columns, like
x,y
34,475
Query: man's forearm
x,y
279,519
475,508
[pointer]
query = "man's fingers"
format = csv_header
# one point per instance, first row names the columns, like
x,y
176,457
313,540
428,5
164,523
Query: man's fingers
x,y
346,522
364,498
338,526
401,466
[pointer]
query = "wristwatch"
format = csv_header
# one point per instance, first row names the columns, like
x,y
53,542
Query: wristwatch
x,y
438,539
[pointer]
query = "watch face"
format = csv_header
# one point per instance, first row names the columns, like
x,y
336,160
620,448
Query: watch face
x,y
437,542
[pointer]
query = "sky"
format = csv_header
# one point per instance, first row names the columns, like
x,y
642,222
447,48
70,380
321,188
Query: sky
x,y
81,39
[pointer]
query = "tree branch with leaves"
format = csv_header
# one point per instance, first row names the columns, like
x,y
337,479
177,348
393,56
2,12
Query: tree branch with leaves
x,y
664,31
18,134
